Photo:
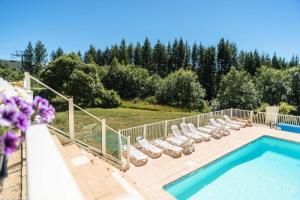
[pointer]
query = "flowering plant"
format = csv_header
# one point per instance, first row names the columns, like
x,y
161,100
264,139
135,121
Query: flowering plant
x,y
16,114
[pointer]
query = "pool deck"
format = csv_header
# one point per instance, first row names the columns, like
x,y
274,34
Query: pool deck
x,y
150,178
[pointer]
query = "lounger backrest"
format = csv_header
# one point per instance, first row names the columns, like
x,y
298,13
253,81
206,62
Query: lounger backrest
x,y
213,121
184,128
175,130
192,127
228,119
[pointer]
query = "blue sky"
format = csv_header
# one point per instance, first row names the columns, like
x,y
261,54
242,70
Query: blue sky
x,y
267,25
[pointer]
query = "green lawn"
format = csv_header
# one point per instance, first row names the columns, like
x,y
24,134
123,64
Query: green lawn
x,y
119,118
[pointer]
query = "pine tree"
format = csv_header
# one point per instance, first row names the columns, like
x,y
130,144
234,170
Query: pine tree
x,y
40,54
275,62
209,72
138,58
55,54
99,58
195,56
187,60
174,56
181,54
114,53
106,56
90,55
79,54
130,50
28,65
226,58
160,59
147,55
294,61
123,58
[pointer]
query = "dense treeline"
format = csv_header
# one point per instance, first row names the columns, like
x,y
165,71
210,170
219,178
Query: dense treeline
x,y
220,75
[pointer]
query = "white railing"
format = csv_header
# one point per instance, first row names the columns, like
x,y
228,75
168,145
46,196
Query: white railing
x,y
163,129
48,177
81,126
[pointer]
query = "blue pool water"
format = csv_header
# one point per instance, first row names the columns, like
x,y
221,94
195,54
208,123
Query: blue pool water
x,y
266,169
288,127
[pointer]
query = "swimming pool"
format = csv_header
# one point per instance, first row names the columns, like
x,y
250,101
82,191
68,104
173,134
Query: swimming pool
x,y
288,127
267,168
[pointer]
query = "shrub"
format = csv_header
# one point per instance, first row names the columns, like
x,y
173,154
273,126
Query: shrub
x,y
272,85
69,75
151,100
285,108
10,73
237,90
181,89
127,80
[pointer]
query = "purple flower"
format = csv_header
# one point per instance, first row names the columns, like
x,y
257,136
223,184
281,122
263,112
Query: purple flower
x,y
8,116
26,109
9,142
17,100
22,122
9,101
39,102
47,114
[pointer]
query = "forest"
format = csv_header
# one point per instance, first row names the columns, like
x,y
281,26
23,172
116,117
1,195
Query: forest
x,y
192,77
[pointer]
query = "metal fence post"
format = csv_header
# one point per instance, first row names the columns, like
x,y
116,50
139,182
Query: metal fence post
x,y
71,119
198,120
103,134
26,83
231,112
166,128
251,116
145,132
128,151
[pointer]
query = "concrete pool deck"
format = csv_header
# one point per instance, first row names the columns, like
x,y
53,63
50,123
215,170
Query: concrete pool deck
x,y
150,178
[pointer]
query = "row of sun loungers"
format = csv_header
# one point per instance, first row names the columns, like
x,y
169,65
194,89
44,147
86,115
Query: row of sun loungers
x,y
182,140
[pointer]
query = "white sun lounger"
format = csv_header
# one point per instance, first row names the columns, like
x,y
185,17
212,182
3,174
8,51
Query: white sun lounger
x,y
175,141
242,124
176,133
214,123
213,131
149,149
169,149
137,157
232,126
186,131
225,130
205,136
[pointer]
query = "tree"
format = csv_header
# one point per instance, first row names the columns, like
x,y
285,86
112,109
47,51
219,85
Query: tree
x,y
90,55
237,90
226,58
195,56
294,95
273,85
40,54
69,75
181,54
106,56
123,57
138,58
55,54
147,55
187,56
160,59
130,52
294,62
99,58
128,81
28,64
181,89
208,67
9,73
